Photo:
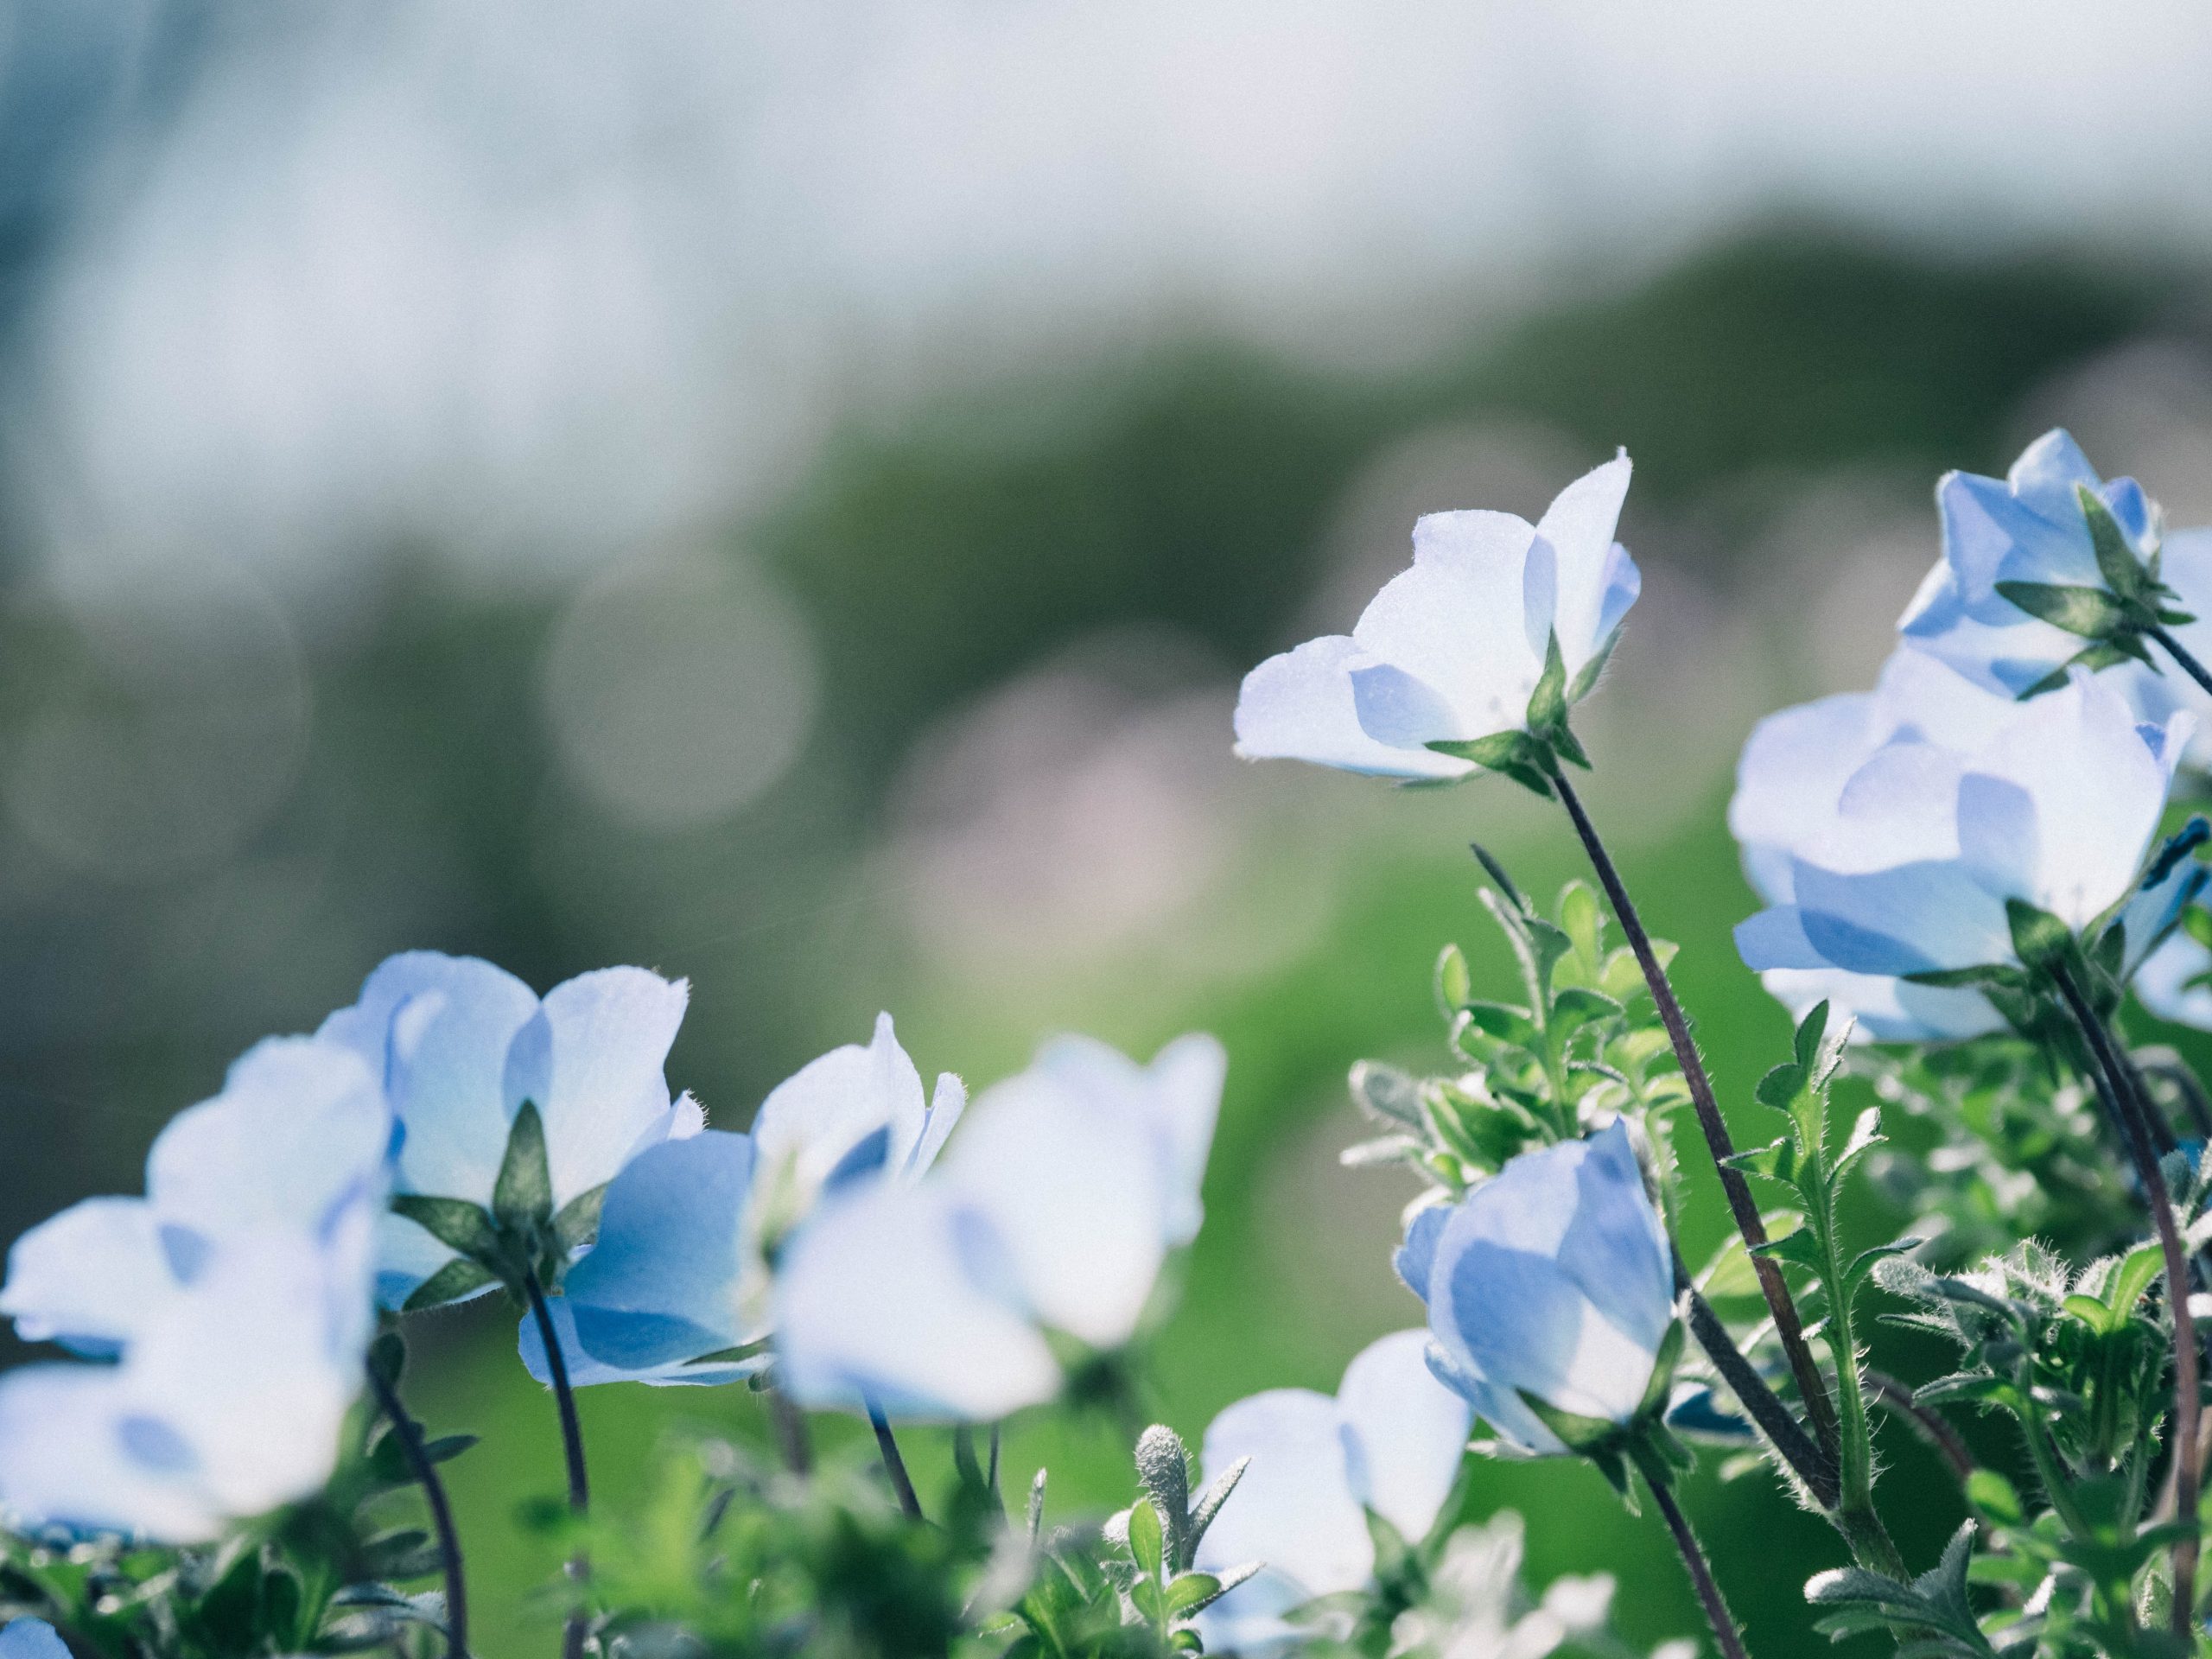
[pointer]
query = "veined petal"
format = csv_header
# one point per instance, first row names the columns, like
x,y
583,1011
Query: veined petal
x,y
878,1296
1299,706
661,1284
1406,1429
591,1059
1295,1508
89,1278
436,1030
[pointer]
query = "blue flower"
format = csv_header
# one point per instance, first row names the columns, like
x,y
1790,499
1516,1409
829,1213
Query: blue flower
x,y
2029,526
681,1267
1912,872
461,1045
1790,800
31,1638
1051,1212
1389,1442
1452,649
1553,1279
235,1299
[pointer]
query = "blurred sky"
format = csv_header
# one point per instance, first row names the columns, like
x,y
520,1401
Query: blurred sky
x,y
533,282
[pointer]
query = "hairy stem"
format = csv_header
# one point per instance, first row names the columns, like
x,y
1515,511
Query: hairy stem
x,y
2183,660
2116,1078
410,1434
1700,1570
1787,1325
1855,1515
1783,1432
894,1465
572,1447
1930,1424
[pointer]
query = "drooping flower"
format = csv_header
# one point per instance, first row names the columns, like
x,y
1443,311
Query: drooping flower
x,y
461,1046
680,1268
236,1298
1929,844
1553,1282
2030,527
1389,1442
1051,1212
1454,649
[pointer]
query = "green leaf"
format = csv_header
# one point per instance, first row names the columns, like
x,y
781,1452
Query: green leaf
x,y
1164,1466
1146,1543
1455,983
1799,1249
1780,1087
455,1223
1209,1500
1577,1006
1991,1495
1505,1022
1386,1094
1496,870
1192,1590
2143,1265
1149,1600
2122,571
447,1446
2089,611
2038,937
522,1197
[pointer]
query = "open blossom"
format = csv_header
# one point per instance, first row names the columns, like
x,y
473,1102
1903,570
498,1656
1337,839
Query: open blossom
x,y
1452,649
31,1638
236,1300
460,1045
2029,526
1554,1279
1053,1211
679,1269
1389,1440
2056,810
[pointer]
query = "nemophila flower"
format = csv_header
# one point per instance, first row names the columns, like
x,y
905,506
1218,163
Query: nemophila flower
x,y
1038,1238
1933,850
2172,982
463,1048
2021,555
31,1638
1496,630
1550,1291
1389,1442
299,1132
680,1268
228,1399
1793,797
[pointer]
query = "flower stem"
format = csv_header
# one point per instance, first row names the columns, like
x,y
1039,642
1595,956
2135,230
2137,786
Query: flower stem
x,y
2183,660
1700,1570
792,1436
1782,1430
1787,1325
2131,1110
1925,1420
1856,1518
572,1447
410,1434
894,1465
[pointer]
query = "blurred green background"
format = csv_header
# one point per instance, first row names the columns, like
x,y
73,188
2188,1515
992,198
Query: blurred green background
x,y
933,715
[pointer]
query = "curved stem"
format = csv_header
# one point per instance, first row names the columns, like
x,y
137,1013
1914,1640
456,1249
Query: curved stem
x,y
2183,660
1700,1570
886,1445
1783,1432
2185,1448
1930,1424
572,1447
1787,1325
409,1433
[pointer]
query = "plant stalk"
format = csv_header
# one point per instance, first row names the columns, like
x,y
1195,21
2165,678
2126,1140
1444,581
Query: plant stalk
x,y
894,1465
1783,1432
2183,659
572,1447
1856,1518
1787,1325
1724,1631
409,1433
1930,1424
2185,1446
792,1436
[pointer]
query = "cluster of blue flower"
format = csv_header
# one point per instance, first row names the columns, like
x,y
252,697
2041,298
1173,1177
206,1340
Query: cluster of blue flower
x,y
1958,852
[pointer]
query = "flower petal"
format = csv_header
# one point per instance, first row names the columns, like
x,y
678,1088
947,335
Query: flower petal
x,y
89,1278
1295,1508
591,1059
1406,1429
1299,706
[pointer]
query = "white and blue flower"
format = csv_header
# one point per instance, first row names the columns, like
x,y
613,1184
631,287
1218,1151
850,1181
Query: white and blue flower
x,y
1552,1281
1452,650
1049,1217
1387,1443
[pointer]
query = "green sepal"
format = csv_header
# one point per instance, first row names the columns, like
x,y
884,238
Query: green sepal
x,y
2039,938
577,1224
387,1357
522,1197
1586,1435
2123,572
2091,613
1663,1362
1585,677
455,1223
1547,702
460,1277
